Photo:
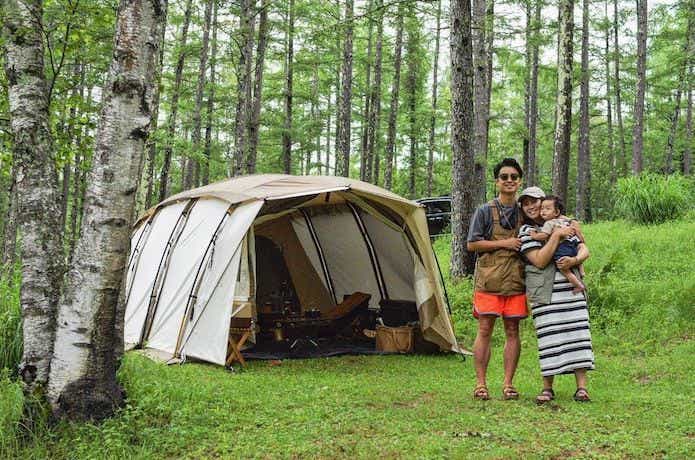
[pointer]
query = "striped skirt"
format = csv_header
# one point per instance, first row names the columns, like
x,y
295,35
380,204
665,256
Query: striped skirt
x,y
562,328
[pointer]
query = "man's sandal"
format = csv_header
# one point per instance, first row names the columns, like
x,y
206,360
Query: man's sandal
x,y
545,396
581,395
481,393
509,393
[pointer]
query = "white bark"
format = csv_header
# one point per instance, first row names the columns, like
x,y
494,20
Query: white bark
x,y
38,211
82,381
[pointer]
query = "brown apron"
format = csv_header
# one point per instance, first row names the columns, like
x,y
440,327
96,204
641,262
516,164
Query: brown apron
x,y
501,271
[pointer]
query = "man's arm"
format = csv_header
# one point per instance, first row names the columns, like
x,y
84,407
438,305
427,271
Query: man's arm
x,y
486,245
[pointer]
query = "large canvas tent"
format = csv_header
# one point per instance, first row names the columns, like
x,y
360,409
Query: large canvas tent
x,y
194,262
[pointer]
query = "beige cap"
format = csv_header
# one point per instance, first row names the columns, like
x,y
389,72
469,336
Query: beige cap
x,y
533,192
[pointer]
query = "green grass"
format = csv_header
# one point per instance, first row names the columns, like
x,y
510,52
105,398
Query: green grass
x,y
640,284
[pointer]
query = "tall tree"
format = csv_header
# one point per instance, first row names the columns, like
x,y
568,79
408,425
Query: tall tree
x,y
289,81
395,88
563,103
192,172
375,112
211,99
241,118
345,112
82,382
174,104
682,82
463,157
638,126
533,27
411,83
37,193
367,100
481,109
583,191
609,97
618,90
433,114
687,151
257,87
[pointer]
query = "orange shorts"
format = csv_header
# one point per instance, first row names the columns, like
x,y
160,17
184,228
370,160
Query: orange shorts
x,y
506,306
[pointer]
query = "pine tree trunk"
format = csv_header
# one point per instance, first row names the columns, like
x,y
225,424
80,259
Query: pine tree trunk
x,y
193,166
375,112
37,193
463,156
241,118
365,173
433,115
677,109
210,109
82,381
338,80
254,123
638,127
151,146
687,152
411,88
174,105
316,123
393,113
532,171
563,105
481,80
613,158
289,81
329,110
583,192
345,113
618,90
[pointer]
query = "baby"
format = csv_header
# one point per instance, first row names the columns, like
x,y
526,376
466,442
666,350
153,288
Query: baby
x,y
551,212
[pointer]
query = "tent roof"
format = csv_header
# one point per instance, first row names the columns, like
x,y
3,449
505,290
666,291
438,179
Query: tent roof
x,y
277,186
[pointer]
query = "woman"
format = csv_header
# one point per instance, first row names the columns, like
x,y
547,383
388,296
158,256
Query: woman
x,y
561,317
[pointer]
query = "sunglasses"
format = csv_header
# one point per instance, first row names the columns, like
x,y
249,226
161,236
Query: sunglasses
x,y
505,177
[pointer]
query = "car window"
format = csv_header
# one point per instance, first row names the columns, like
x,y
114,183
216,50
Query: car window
x,y
438,206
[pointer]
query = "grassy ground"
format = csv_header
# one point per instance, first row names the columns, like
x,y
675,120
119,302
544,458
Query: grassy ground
x,y
641,284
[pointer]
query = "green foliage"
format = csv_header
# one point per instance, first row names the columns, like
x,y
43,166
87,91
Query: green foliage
x,y
653,199
10,320
11,401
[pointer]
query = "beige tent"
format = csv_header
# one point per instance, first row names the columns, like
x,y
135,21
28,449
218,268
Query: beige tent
x,y
193,264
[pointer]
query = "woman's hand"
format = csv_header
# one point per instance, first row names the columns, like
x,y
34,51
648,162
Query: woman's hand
x,y
567,262
565,232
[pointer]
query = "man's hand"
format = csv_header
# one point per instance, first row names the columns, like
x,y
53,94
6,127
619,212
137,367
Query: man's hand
x,y
511,243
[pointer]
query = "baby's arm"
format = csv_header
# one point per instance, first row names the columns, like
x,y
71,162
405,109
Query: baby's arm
x,y
538,236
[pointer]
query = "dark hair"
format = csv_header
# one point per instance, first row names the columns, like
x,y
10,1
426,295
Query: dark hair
x,y
557,202
512,163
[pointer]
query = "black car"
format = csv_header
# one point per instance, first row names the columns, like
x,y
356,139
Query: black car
x,y
438,212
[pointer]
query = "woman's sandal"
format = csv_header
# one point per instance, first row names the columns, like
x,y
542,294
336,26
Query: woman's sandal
x,y
545,396
509,393
481,393
581,395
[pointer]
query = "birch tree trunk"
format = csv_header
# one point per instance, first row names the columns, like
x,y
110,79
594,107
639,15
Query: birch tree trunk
x,y
433,115
463,157
345,113
241,118
393,113
375,112
9,231
174,105
583,192
193,166
289,82
563,104
254,122
618,90
638,127
37,193
210,108
82,381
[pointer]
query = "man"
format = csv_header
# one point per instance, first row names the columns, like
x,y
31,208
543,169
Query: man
x,y
499,276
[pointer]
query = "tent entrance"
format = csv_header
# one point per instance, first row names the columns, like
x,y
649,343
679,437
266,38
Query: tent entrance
x,y
324,275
